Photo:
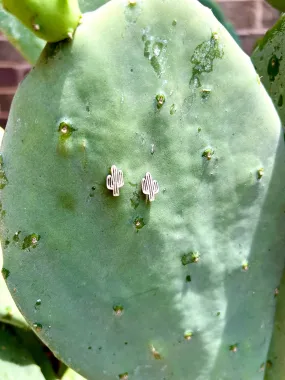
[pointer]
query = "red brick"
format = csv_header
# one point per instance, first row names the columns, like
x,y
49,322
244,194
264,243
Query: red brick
x,y
242,14
269,15
8,77
9,53
248,42
5,102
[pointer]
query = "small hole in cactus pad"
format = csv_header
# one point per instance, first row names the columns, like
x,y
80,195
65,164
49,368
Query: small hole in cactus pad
x,y
273,68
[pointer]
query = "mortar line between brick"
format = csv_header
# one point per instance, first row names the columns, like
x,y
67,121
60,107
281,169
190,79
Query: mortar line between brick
x,y
14,65
252,32
259,15
8,90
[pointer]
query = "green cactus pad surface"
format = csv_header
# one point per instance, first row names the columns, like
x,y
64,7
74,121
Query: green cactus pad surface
x,y
132,289
51,20
270,65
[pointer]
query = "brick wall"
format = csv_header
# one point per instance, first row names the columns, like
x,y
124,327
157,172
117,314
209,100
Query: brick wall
x,y
251,19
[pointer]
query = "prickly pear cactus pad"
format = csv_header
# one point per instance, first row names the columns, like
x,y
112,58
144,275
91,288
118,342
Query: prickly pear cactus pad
x,y
51,20
178,288
269,63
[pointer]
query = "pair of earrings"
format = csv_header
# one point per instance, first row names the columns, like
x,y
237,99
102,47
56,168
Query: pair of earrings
x,y
115,181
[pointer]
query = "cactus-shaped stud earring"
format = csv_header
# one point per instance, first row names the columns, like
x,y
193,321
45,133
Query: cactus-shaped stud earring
x,y
149,187
115,180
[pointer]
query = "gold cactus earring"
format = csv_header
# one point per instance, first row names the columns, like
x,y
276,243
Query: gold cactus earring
x,y
115,180
149,187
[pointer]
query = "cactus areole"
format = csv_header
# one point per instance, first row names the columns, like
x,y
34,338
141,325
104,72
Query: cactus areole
x,y
131,288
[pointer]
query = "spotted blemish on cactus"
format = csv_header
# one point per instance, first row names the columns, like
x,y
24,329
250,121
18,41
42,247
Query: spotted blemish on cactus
x,y
66,201
16,236
174,22
260,173
188,335
6,243
124,376
132,3
155,353
188,278
5,272
172,109
276,292
208,153
118,309
38,326
280,101
135,200
2,212
31,241
273,67
139,223
160,100
189,258
154,49
3,178
203,58
233,347
245,266
92,192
